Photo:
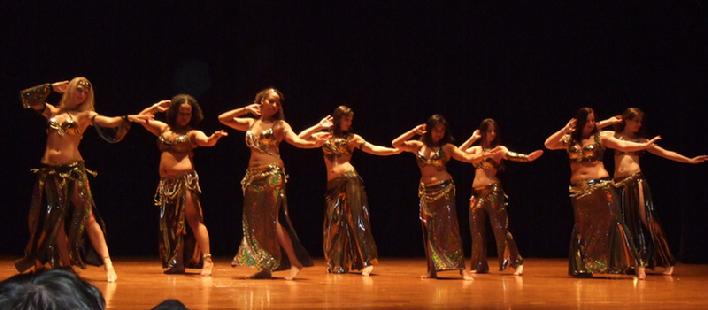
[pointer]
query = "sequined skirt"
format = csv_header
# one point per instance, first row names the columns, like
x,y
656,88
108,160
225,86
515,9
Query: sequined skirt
x,y
176,244
61,199
600,241
491,201
348,241
441,231
644,226
264,207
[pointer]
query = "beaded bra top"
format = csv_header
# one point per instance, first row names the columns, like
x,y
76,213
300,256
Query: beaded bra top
x,y
338,147
437,158
67,127
180,144
588,153
264,143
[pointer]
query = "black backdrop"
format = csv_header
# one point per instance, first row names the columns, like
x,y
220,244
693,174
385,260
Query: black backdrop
x,y
528,65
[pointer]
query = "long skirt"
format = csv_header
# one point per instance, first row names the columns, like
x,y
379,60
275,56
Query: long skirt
x,y
600,241
61,202
348,241
176,242
644,226
441,231
491,201
264,207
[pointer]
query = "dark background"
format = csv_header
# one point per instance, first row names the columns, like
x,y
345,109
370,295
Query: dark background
x,y
529,65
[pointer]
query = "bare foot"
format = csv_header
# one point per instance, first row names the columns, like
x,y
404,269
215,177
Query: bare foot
x,y
111,275
208,265
467,275
641,273
293,273
668,271
367,271
519,270
263,274
234,261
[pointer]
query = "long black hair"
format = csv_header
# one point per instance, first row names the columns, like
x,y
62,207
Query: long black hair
x,y
581,117
339,113
486,124
433,121
632,113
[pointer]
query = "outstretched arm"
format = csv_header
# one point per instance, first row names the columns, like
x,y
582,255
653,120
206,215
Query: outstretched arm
x,y
291,138
475,157
522,158
671,155
607,139
234,120
201,139
115,121
555,141
323,124
369,148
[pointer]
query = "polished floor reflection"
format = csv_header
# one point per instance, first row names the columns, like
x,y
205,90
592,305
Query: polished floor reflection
x,y
396,283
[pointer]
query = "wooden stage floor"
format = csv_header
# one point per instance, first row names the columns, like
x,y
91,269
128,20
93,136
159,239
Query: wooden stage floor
x,y
396,283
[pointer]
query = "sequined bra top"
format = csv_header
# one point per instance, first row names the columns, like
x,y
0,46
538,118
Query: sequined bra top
x,y
264,143
68,127
180,144
488,163
337,147
435,159
588,153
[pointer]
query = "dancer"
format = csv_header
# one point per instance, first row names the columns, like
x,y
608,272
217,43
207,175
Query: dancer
x,y
267,229
488,199
600,241
62,212
177,194
636,198
438,216
348,240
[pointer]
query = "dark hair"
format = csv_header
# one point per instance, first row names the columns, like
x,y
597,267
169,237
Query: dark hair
x,y
484,126
173,111
264,93
339,113
49,289
430,124
170,304
631,113
581,117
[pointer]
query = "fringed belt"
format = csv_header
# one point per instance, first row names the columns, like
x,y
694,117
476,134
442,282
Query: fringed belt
x,y
73,170
432,192
260,173
588,186
170,188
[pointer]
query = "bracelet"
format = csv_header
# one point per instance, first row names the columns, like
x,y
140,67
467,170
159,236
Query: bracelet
x,y
516,157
